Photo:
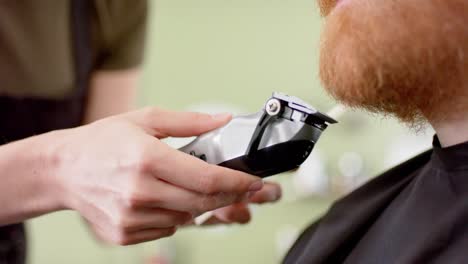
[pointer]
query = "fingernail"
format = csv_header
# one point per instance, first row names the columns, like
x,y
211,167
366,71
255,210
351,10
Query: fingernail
x,y
222,116
256,186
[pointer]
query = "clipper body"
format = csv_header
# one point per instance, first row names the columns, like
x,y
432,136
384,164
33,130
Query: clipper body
x,y
279,138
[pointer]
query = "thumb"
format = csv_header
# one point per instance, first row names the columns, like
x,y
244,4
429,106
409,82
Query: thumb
x,y
163,123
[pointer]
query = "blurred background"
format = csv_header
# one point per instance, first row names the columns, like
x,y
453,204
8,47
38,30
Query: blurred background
x,y
220,55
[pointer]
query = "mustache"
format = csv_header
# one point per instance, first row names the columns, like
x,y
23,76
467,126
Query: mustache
x,y
326,6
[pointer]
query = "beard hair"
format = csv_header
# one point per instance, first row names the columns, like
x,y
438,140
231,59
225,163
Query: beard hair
x,y
406,58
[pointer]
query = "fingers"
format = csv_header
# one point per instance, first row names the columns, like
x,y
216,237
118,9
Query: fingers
x,y
124,238
240,213
236,213
163,123
160,194
146,235
194,174
151,218
271,192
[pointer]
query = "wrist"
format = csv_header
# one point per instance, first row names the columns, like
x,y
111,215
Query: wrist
x,y
29,187
46,161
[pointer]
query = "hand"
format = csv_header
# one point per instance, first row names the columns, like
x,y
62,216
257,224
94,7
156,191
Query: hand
x,y
239,212
130,187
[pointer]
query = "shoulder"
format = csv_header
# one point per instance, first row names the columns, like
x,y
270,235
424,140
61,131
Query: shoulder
x,y
448,242
351,215
120,17
120,32
391,179
120,8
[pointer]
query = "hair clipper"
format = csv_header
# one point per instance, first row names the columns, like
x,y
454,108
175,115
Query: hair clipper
x,y
279,138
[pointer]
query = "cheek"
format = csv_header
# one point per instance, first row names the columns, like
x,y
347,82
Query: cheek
x,y
342,64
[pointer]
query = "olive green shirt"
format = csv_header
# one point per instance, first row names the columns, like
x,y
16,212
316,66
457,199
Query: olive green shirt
x,y
36,49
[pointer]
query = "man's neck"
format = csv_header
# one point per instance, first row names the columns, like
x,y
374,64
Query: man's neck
x,y
452,132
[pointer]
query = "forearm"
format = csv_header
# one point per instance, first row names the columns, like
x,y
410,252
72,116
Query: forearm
x,y
27,186
111,93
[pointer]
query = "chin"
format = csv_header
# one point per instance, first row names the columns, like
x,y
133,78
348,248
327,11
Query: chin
x,y
398,57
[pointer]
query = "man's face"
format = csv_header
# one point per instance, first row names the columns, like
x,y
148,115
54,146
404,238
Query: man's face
x,y
403,57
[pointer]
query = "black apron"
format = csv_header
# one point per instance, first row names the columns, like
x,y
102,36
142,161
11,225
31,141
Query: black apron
x,y
24,117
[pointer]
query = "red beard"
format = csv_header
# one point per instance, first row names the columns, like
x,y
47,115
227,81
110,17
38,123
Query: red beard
x,y
402,57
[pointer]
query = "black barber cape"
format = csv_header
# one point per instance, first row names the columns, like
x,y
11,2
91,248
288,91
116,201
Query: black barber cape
x,y
415,213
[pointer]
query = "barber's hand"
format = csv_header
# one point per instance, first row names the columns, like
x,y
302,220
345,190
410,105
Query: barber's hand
x,y
131,187
239,213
